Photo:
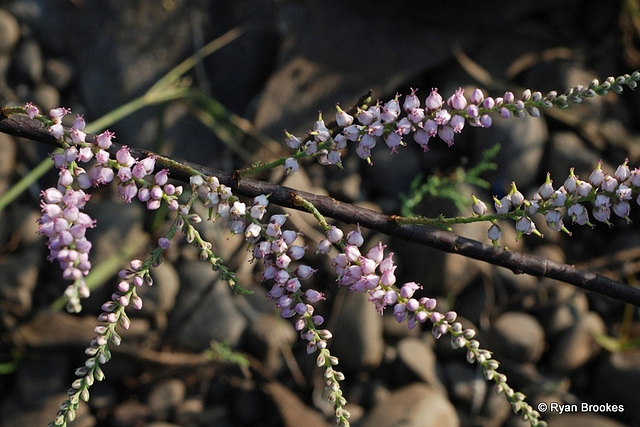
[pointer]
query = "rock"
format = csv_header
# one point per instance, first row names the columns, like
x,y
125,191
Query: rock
x,y
19,274
522,145
415,405
165,397
8,152
253,406
205,310
568,150
162,424
465,384
59,73
358,341
416,356
582,420
28,64
615,381
41,413
293,411
46,96
266,336
42,375
517,336
576,346
161,296
310,76
563,312
9,31
189,411
130,413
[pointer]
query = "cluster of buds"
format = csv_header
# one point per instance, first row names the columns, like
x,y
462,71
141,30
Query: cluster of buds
x,y
605,193
394,122
113,314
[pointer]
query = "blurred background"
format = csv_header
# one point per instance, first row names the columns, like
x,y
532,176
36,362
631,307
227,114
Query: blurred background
x,y
284,61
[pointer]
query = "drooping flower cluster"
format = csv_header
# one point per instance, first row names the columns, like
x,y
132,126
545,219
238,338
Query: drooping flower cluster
x,y
63,221
275,247
373,274
605,193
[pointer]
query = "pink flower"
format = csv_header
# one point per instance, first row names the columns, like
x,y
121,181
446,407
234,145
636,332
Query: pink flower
x,y
457,101
434,100
314,296
342,118
32,110
104,139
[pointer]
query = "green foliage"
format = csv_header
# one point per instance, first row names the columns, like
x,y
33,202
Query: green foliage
x,y
448,187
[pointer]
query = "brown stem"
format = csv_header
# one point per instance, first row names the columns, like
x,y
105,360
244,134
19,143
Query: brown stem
x,y
519,263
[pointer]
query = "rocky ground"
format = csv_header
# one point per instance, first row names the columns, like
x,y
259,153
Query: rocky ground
x,y
293,59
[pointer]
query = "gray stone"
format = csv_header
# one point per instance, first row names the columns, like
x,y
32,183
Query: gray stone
x,y
522,143
59,72
576,346
130,413
415,405
165,397
616,380
465,383
28,64
189,411
19,274
583,420
568,150
7,161
41,413
292,410
566,306
415,355
265,338
42,375
9,31
205,310
517,336
310,76
161,296
46,96
358,342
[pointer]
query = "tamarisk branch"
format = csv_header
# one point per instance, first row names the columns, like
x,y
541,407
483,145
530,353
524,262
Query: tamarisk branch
x,y
22,126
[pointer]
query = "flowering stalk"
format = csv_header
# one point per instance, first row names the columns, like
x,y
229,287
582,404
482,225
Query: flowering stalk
x,y
62,220
275,247
374,274
114,314
394,122
604,192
